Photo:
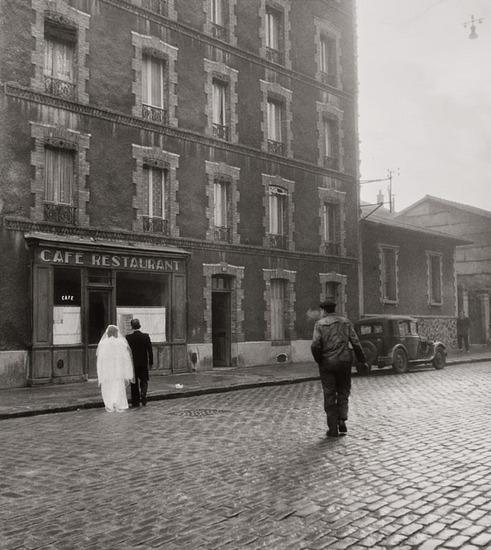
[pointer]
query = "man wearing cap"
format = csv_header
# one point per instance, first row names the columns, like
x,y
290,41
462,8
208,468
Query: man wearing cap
x,y
332,347
141,349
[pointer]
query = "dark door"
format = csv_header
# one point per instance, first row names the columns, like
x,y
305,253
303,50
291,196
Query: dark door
x,y
220,319
98,317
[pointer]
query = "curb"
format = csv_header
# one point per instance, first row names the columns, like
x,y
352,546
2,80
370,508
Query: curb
x,y
201,391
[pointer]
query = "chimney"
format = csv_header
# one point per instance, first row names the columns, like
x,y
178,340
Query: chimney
x,y
380,197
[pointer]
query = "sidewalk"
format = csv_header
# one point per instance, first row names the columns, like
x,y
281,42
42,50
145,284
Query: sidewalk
x,y
17,402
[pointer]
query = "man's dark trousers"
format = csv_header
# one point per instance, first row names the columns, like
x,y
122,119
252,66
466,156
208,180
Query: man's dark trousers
x,y
139,391
336,385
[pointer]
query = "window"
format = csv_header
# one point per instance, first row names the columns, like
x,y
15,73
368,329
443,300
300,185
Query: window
x,y
332,291
144,296
278,308
332,227
219,109
218,19
327,60
59,176
435,278
153,89
274,36
157,6
275,122
329,135
66,307
59,61
277,211
221,192
155,217
389,274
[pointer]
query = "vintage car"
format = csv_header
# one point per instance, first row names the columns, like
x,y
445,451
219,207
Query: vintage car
x,y
393,340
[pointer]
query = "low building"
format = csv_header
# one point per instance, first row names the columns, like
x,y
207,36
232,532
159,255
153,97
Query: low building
x,y
473,259
409,270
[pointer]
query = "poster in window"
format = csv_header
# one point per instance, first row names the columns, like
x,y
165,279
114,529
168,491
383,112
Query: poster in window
x,y
152,320
66,325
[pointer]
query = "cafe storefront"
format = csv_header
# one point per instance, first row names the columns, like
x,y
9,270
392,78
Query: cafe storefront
x,y
79,286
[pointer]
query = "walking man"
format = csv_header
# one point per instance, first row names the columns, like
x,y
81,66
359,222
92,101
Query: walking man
x,y
463,328
332,348
141,349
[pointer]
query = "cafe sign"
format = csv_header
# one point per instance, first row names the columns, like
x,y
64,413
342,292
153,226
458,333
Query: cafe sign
x,y
114,261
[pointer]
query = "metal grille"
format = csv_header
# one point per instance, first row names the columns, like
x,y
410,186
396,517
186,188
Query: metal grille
x,y
60,88
60,213
154,114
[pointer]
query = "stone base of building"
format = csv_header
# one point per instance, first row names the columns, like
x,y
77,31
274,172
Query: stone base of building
x,y
248,354
13,369
443,329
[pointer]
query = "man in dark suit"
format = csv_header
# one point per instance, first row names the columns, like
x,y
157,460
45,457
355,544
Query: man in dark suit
x,y
141,349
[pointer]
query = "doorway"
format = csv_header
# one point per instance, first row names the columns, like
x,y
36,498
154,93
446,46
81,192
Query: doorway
x,y
99,306
221,320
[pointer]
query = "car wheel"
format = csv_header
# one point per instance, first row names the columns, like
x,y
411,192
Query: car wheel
x,y
439,359
399,363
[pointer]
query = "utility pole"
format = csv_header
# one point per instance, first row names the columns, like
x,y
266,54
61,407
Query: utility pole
x,y
390,175
472,23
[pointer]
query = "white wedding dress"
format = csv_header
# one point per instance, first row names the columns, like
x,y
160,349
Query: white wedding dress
x,y
114,369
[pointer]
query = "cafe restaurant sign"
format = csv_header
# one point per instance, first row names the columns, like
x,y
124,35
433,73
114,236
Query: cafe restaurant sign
x,y
115,261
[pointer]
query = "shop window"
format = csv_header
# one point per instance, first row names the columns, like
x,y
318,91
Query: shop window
x,y
59,60
59,182
147,298
219,109
154,100
331,214
389,274
155,218
278,309
66,307
275,127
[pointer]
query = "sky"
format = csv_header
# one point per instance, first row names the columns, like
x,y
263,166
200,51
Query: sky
x,y
425,100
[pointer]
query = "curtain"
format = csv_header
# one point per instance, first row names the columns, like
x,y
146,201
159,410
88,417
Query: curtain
x,y
219,103
58,175
277,211
272,30
153,81
221,202
58,60
217,12
327,138
331,223
275,121
154,181
324,60
278,296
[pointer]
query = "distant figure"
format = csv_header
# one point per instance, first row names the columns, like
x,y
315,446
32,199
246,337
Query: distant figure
x,y
463,329
333,335
141,349
114,369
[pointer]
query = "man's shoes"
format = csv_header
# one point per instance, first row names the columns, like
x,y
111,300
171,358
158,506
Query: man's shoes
x,y
135,405
144,402
343,430
332,433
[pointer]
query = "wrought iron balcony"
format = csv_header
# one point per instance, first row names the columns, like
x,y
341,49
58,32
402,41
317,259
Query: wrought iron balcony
x,y
220,131
219,31
60,213
329,78
278,241
157,6
331,163
154,114
276,56
155,225
60,88
222,233
276,147
331,248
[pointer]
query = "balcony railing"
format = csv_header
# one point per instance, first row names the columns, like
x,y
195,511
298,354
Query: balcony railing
x,y
276,147
276,56
60,213
277,241
155,225
60,88
154,114
219,31
331,248
329,78
222,233
331,163
157,6
220,131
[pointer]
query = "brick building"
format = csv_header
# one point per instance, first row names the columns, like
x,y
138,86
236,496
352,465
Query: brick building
x,y
410,270
190,162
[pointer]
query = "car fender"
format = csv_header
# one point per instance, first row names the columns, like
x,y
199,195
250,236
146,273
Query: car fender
x,y
396,347
436,346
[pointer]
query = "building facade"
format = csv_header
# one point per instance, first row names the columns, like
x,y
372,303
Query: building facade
x,y
192,163
473,260
410,270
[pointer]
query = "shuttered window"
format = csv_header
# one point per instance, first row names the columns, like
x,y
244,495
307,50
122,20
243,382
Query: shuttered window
x,y
58,175
278,309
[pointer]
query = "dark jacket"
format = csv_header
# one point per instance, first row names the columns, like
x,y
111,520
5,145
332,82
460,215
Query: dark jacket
x,y
141,349
334,341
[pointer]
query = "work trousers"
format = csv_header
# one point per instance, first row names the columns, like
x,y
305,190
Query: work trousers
x,y
139,391
463,341
336,385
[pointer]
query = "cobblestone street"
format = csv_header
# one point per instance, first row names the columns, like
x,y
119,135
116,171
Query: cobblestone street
x,y
252,469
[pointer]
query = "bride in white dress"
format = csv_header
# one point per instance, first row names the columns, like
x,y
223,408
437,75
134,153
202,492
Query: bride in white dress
x,y
114,369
